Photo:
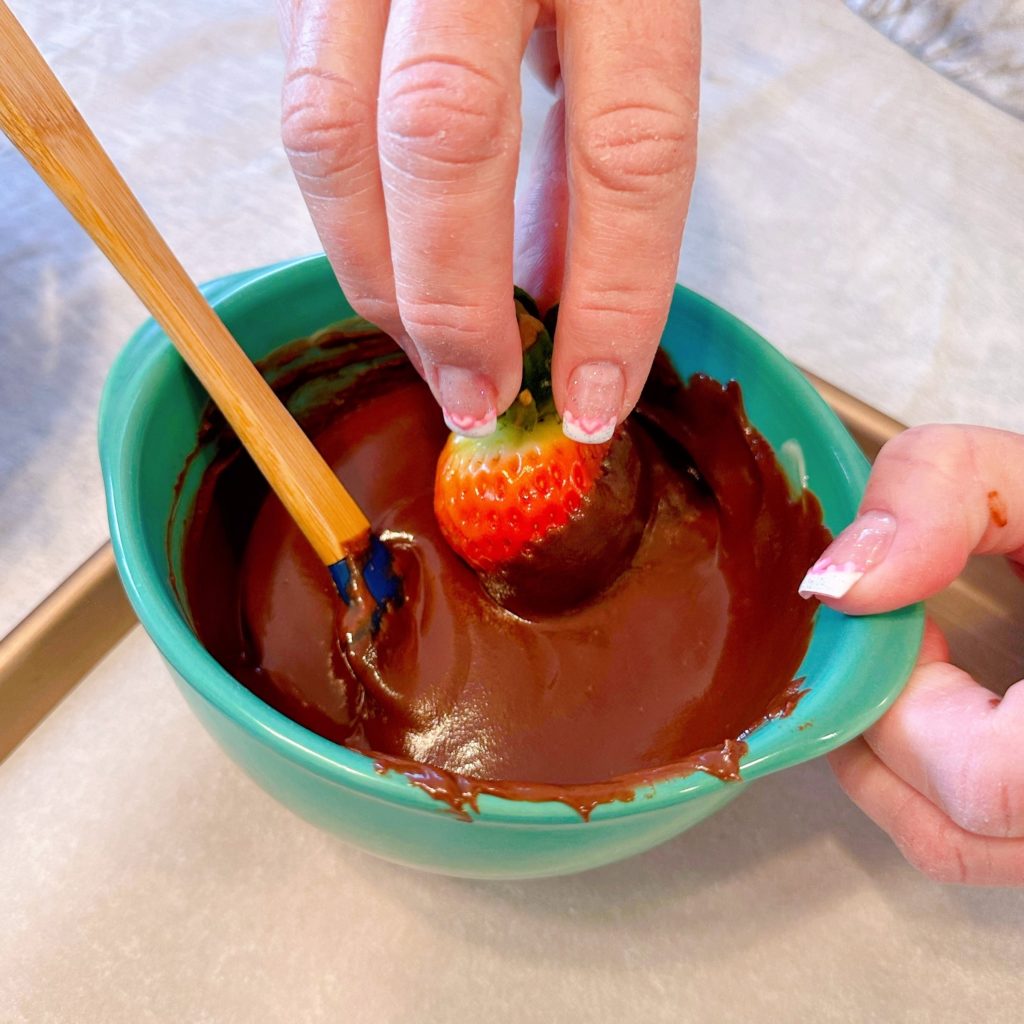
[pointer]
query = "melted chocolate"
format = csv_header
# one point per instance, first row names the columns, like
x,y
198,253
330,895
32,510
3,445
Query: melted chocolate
x,y
593,549
691,646
997,509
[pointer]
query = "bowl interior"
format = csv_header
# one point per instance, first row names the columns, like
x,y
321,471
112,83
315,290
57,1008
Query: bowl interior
x,y
151,409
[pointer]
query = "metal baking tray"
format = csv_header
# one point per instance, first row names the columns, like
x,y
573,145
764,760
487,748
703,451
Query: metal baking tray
x,y
55,646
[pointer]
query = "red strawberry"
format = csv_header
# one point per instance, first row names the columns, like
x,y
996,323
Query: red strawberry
x,y
494,496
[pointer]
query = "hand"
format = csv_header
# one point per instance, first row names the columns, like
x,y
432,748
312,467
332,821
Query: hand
x,y
401,121
943,771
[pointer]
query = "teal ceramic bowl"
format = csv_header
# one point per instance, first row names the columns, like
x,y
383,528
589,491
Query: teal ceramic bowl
x,y
151,409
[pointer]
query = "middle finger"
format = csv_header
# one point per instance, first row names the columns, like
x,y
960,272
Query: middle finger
x,y
448,128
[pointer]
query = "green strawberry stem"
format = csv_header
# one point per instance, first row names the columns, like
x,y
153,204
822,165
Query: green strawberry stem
x,y
536,400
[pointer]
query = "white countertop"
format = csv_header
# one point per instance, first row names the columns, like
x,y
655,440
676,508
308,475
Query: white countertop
x,y
859,210
145,878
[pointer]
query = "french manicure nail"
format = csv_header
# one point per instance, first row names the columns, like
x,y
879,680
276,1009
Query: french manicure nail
x,y
467,401
860,547
593,401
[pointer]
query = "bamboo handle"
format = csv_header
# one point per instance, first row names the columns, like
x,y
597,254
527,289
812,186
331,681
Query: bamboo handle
x,y
40,119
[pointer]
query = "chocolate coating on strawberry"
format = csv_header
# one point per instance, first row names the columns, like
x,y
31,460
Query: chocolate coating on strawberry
x,y
527,502
586,555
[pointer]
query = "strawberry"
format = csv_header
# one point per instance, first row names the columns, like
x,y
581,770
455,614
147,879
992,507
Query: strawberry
x,y
496,496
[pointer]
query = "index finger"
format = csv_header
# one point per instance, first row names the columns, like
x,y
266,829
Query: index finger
x,y
631,75
448,126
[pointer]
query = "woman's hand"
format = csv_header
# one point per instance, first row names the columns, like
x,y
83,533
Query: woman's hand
x,y
401,120
943,771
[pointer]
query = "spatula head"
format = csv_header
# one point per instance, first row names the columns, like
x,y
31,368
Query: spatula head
x,y
369,579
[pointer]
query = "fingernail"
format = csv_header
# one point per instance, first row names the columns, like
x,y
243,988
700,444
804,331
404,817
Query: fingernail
x,y
860,547
467,401
593,401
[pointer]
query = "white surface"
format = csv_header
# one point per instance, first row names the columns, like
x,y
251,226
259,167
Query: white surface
x,y
145,878
184,97
977,43
856,208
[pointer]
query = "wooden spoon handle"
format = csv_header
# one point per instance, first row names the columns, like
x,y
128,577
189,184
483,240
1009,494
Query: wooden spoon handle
x,y
40,119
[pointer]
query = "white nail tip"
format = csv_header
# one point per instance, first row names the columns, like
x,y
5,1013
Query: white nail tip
x,y
591,434
474,428
830,582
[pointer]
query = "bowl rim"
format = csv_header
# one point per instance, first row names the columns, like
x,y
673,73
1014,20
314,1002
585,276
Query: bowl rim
x,y
146,358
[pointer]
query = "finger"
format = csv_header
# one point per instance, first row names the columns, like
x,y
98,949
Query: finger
x,y
959,745
956,743
328,126
542,56
449,137
936,495
631,85
934,646
928,839
542,216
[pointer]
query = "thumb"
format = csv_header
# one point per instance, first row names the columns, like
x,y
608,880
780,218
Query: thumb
x,y
936,496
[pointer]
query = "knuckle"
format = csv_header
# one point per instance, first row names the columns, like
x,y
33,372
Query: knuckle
x,y
914,438
936,450
327,125
451,330
947,864
628,318
935,851
988,802
636,147
919,443
442,113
